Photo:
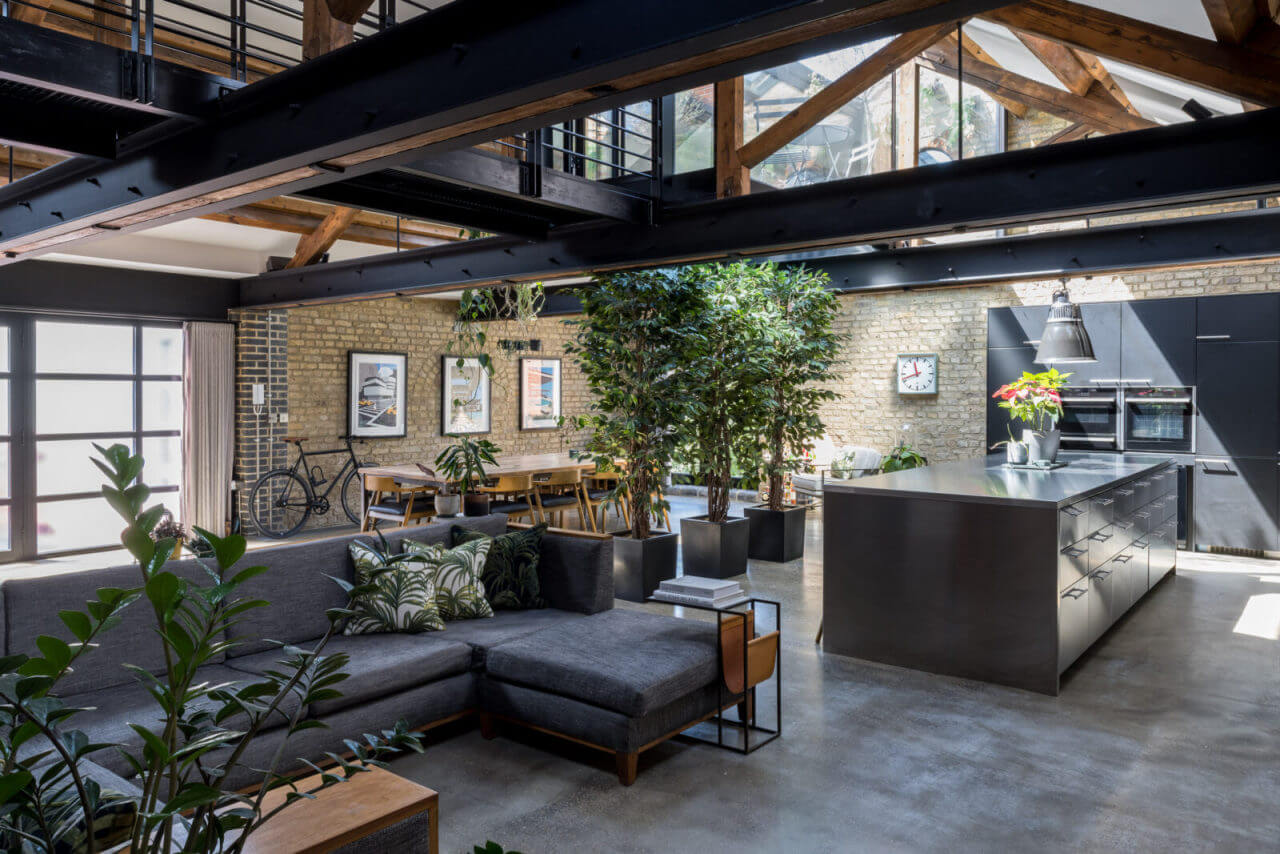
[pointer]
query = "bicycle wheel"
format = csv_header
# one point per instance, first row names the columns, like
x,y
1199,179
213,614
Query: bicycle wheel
x,y
353,496
280,503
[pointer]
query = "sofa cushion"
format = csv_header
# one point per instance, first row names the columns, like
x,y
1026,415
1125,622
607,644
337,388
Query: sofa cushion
x,y
484,635
300,592
380,665
403,598
32,606
630,662
459,590
511,570
576,572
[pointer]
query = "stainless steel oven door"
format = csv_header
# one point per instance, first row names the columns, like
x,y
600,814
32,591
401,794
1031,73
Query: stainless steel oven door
x,y
1160,419
1090,419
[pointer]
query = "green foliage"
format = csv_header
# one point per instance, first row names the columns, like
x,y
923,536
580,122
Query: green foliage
x,y
203,729
1034,399
802,350
492,847
632,345
476,306
463,462
902,457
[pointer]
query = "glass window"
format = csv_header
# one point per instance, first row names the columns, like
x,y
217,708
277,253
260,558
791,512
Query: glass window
x,y
4,407
4,349
162,351
694,127
79,523
66,466
164,460
5,449
5,543
83,348
84,406
856,139
940,119
162,406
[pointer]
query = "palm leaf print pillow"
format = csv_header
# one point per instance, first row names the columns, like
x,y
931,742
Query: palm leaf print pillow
x,y
404,595
511,571
459,590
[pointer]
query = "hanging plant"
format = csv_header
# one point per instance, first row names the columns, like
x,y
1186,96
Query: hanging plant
x,y
520,303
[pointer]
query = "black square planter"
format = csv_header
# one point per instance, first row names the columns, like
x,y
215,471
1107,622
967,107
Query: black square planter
x,y
714,549
777,535
640,565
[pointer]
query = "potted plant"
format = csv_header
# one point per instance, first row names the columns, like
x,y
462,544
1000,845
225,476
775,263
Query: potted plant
x,y
462,465
726,376
169,529
1036,401
630,344
49,795
903,457
802,352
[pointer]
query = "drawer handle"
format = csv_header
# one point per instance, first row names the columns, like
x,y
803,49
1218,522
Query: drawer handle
x,y
1100,537
1139,544
1074,552
1102,574
1143,483
1105,502
1124,492
1122,558
1031,342
1143,515
1124,526
1213,337
1074,593
1073,511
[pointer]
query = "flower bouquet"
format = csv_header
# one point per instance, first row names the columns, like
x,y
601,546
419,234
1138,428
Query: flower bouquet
x,y
1036,401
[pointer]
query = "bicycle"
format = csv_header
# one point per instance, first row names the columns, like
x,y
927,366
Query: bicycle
x,y
283,500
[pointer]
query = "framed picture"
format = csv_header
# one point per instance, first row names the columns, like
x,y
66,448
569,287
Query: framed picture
x,y
464,396
376,394
539,394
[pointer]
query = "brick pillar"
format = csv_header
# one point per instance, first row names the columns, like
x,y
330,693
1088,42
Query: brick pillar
x,y
262,343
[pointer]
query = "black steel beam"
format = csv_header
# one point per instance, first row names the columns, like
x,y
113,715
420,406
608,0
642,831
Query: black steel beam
x,y
49,123
468,71
96,290
61,63
1224,158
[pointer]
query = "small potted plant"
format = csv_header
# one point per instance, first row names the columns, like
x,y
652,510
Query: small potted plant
x,y
462,465
447,502
169,529
903,457
1015,450
1036,401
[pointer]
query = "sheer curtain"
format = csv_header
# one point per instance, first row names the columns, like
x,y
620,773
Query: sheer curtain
x,y
208,424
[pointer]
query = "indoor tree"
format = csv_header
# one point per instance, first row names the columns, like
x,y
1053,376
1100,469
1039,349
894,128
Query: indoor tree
x,y
630,344
802,350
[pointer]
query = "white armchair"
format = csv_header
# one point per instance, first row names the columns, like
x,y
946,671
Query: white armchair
x,y
849,461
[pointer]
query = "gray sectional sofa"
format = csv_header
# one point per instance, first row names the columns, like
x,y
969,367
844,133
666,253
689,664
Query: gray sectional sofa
x,y
621,681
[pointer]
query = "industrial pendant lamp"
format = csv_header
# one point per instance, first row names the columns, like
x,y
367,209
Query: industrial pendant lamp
x,y
1065,340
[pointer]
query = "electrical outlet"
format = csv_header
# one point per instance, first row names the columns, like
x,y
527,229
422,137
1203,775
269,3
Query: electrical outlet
x,y
282,417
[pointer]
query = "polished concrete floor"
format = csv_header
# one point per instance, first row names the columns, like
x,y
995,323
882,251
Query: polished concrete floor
x,y
1166,738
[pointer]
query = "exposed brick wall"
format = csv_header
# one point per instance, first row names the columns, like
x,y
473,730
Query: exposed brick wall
x,y
261,357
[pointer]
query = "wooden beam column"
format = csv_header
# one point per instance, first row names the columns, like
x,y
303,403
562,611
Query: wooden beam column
x,y
906,105
321,31
1232,20
733,177
311,247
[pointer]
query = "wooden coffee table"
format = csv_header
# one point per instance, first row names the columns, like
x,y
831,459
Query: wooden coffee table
x,y
342,814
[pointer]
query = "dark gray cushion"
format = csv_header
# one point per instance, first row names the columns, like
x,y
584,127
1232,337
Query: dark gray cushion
x,y
558,500
602,727
630,662
484,635
510,507
32,606
114,708
576,573
299,591
380,664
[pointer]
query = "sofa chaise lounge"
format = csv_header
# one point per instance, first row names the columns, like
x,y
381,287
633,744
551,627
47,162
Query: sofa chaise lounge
x,y
621,681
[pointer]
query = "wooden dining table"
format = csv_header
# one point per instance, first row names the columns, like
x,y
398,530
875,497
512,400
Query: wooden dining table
x,y
512,464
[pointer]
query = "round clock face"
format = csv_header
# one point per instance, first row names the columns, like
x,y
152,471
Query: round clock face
x,y
918,374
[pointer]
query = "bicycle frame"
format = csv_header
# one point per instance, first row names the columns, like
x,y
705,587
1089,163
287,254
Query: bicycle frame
x,y
302,468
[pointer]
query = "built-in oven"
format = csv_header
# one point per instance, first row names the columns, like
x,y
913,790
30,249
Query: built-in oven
x,y
1090,418
1160,419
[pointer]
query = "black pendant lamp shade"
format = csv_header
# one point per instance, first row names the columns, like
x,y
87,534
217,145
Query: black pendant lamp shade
x,y
1065,340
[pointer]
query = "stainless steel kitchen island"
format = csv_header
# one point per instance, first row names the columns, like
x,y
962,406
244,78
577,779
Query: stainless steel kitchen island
x,y
973,569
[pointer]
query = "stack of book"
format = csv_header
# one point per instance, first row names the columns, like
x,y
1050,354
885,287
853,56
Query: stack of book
x,y
695,590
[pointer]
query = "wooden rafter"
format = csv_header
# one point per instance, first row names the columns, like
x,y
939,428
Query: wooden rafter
x,y
1060,61
1232,20
733,176
973,50
1231,70
29,11
840,91
1099,72
1067,105
311,247
1067,134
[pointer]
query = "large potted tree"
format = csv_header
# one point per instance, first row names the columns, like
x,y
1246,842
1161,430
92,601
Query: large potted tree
x,y
629,344
802,348
725,381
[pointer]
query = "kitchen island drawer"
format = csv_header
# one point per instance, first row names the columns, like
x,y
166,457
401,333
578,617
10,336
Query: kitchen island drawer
x,y
1126,500
1102,509
1103,544
1074,632
1073,523
1073,564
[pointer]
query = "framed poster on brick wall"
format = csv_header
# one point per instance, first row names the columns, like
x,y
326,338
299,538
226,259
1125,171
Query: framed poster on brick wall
x,y
539,394
464,396
376,394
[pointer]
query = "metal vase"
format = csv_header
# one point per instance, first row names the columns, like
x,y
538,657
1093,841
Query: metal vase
x,y
1016,453
1042,446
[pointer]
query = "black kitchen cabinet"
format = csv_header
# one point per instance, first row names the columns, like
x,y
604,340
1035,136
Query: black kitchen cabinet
x,y
1236,503
1158,342
1238,317
1005,365
1016,326
1236,398
1102,322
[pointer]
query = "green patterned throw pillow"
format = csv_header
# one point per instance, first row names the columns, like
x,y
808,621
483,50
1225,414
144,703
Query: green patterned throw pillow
x,y
459,590
511,571
405,598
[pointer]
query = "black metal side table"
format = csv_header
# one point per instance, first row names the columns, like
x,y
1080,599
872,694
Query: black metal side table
x,y
754,735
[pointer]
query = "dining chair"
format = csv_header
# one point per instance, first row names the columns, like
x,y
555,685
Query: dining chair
x,y
395,502
557,491
517,497
597,487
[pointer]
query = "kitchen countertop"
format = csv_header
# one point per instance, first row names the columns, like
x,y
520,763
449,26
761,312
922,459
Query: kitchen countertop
x,y
986,480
